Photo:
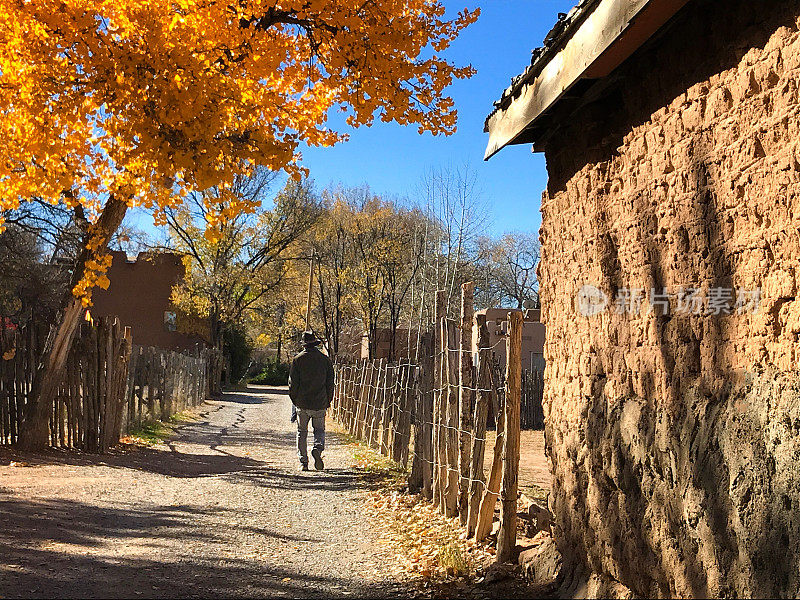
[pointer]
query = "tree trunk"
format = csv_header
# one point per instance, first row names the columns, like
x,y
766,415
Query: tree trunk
x,y
215,327
334,343
372,341
394,323
34,429
221,370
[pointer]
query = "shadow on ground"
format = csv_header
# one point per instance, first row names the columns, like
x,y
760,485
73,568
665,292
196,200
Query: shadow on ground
x,y
213,453
57,548
74,549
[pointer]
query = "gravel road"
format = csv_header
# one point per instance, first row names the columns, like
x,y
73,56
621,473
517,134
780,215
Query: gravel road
x,y
220,510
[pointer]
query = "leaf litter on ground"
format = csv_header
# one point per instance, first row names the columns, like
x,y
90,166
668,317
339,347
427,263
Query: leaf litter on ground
x,y
422,544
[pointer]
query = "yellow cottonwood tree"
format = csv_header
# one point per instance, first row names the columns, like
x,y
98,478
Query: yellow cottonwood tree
x,y
107,104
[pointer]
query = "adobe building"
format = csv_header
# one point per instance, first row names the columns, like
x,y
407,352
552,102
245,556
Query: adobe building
x,y
354,343
383,343
532,336
671,132
139,295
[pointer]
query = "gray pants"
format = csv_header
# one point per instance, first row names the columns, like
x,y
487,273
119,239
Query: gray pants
x,y
317,418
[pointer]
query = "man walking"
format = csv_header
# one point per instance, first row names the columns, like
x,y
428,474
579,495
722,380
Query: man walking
x,y
311,392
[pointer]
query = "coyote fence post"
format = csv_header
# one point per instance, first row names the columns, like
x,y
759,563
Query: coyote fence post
x,y
507,536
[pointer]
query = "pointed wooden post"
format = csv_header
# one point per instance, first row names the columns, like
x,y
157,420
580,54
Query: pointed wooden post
x,y
507,537
343,388
372,392
372,429
334,407
484,379
409,396
426,395
390,399
421,468
452,418
439,346
355,382
346,387
363,397
466,395
489,500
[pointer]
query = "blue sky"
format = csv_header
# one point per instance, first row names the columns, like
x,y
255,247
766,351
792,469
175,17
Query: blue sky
x,y
392,159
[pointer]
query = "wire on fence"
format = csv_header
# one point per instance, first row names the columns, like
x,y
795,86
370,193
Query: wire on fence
x,y
382,403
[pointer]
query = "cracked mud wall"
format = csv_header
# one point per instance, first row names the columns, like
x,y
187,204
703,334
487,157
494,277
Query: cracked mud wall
x,y
675,439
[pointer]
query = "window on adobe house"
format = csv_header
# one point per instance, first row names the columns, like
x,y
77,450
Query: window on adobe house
x,y
170,321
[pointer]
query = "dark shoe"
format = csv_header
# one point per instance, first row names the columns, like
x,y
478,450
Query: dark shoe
x,y
317,454
304,466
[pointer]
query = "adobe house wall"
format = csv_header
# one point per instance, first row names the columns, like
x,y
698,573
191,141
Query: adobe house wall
x,y
675,439
139,294
383,343
533,335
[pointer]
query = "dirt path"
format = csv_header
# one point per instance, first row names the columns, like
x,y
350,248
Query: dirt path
x,y
535,478
220,511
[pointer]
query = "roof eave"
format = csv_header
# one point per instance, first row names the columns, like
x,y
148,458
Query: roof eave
x,y
604,39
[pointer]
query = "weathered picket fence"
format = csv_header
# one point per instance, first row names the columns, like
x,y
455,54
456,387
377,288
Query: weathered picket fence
x,y
108,385
373,401
435,414
17,365
162,383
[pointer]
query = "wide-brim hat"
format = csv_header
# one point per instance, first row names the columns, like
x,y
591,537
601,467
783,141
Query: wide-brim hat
x,y
309,339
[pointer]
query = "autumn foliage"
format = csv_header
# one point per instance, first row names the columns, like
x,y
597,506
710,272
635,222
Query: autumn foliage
x,y
148,99
107,104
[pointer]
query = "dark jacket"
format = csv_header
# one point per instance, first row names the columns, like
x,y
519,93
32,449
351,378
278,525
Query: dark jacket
x,y
311,380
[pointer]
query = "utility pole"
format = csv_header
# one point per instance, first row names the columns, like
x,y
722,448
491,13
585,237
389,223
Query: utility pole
x,y
310,286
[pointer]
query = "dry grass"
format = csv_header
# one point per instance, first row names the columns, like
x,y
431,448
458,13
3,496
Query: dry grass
x,y
452,560
424,543
420,541
152,432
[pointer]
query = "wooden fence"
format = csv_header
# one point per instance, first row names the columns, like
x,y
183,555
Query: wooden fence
x,y
108,386
18,349
435,415
374,402
531,411
162,383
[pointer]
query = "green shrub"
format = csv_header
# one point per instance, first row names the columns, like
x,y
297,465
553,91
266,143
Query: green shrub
x,y
238,351
274,373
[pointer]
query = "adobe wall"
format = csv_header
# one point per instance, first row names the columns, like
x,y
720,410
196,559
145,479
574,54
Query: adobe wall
x,y
533,335
139,294
675,439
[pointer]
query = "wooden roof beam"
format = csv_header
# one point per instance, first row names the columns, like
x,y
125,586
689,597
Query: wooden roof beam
x,y
603,39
